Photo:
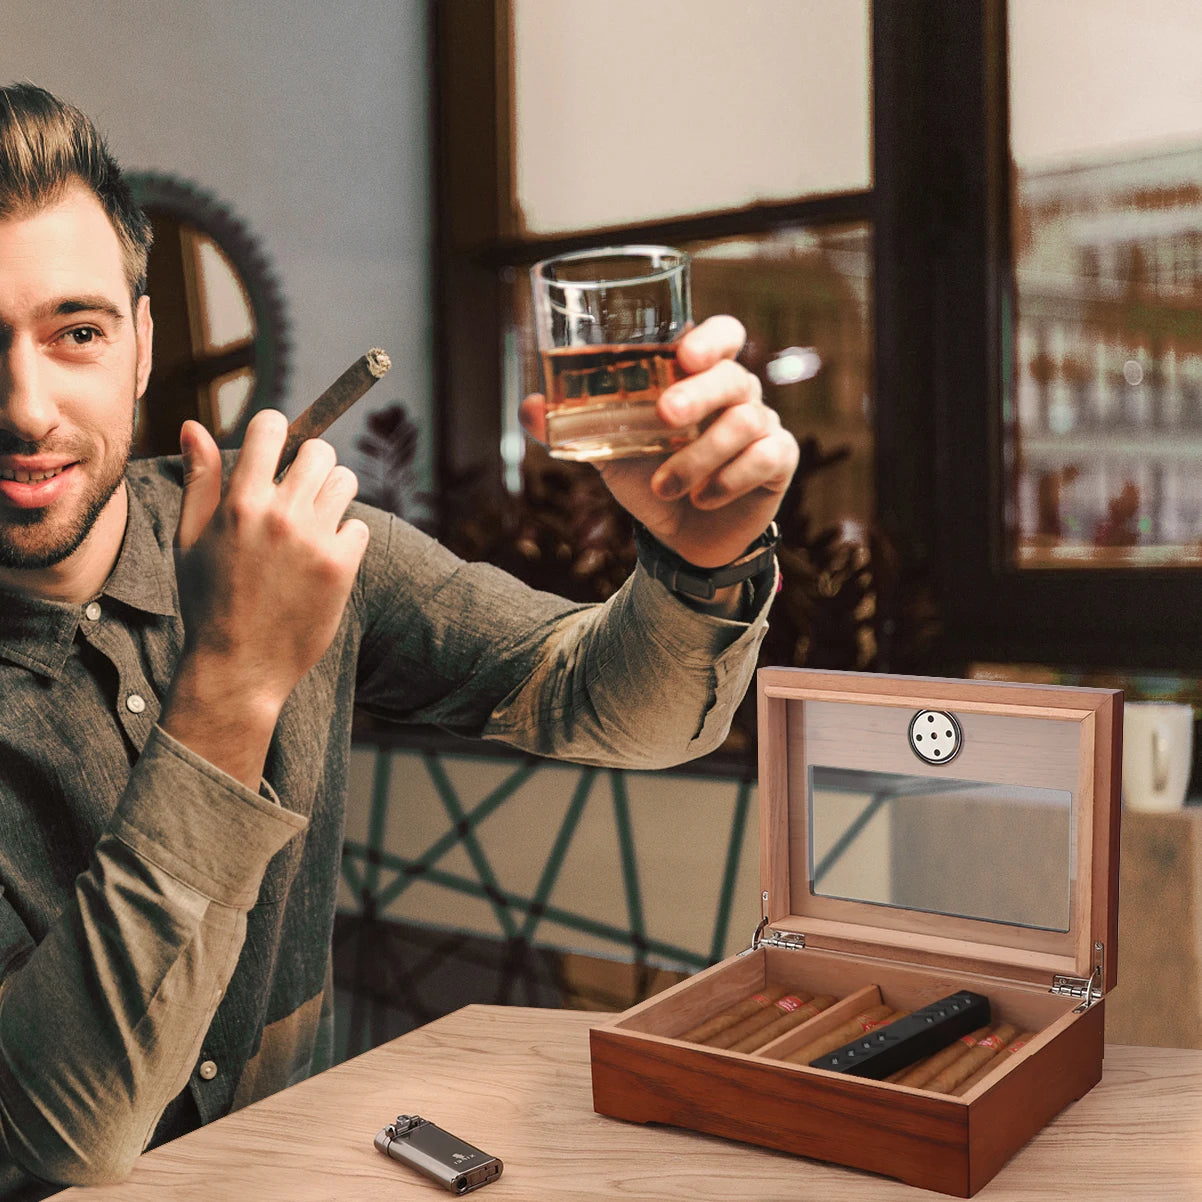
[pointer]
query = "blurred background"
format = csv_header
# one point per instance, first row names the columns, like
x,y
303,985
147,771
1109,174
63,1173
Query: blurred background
x,y
965,237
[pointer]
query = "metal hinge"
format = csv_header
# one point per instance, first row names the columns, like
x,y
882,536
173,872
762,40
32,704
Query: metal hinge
x,y
1089,989
788,939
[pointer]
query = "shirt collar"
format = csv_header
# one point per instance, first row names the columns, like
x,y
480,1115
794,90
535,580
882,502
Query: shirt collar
x,y
38,634
144,577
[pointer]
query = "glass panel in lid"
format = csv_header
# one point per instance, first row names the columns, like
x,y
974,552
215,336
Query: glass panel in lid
x,y
1000,853
941,820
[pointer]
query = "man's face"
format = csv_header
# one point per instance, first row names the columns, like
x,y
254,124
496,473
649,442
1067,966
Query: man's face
x,y
74,358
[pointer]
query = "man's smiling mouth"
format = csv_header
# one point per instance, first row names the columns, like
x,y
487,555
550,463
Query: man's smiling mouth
x,y
32,477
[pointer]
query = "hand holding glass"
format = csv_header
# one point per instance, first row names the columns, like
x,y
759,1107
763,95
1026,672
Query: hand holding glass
x,y
607,322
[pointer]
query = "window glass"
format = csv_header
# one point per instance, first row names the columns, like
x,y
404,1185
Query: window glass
x,y
1103,412
635,110
803,296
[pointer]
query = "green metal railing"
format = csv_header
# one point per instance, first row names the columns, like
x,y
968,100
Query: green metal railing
x,y
377,876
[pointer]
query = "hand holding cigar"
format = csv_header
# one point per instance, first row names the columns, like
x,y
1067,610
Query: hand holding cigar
x,y
264,574
334,402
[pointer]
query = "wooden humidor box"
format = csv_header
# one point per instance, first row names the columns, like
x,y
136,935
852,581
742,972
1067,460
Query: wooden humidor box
x,y
890,877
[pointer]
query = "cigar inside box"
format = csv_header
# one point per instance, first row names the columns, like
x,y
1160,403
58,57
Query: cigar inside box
x,y
792,1014
921,840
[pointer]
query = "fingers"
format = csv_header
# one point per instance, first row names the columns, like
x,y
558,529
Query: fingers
x,y
696,398
742,446
317,482
315,479
337,491
314,474
202,482
715,339
766,465
255,467
309,471
745,448
351,542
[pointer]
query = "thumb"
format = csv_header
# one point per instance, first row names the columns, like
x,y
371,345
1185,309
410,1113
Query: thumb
x,y
202,482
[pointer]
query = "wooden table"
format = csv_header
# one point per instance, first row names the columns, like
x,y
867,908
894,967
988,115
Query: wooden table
x,y
516,1083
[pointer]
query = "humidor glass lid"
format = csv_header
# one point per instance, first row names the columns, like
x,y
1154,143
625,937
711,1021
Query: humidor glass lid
x,y
989,844
970,849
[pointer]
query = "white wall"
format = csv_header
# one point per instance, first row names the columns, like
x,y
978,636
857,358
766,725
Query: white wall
x,y
308,118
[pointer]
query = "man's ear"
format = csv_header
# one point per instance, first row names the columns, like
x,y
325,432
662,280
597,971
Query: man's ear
x,y
144,334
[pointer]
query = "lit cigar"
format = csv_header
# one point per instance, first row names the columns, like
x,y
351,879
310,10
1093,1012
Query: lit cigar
x,y
744,1009
1015,1045
752,1025
786,1022
334,402
922,1072
866,1020
984,1051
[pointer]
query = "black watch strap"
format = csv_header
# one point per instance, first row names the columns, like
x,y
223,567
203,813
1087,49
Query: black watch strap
x,y
701,584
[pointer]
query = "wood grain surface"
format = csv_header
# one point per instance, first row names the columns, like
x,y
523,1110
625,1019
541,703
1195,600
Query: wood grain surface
x,y
516,1082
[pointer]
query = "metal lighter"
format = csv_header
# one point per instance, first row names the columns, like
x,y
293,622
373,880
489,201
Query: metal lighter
x,y
439,1155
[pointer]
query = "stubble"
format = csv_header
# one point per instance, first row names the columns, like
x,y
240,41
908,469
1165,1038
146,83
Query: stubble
x,y
31,539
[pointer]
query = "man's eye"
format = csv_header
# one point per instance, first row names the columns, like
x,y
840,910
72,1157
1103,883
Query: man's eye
x,y
82,335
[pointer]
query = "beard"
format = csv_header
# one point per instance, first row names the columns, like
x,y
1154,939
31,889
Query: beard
x,y
41,538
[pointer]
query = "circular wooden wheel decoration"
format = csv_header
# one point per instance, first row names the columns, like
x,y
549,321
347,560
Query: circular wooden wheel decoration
x,y
220,331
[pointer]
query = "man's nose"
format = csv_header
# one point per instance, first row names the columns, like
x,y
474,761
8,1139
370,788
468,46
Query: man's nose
x,y
27,408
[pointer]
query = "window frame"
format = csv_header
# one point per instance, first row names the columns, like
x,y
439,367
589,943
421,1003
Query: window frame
x,y
943,312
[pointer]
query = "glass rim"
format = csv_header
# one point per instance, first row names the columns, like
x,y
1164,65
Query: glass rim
x,y
683,258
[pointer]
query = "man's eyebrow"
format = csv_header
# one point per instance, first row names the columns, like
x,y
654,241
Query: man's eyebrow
x,y
68,305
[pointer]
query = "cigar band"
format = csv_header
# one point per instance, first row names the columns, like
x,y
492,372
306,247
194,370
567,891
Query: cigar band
x,y
869,1023
968,1040
990,1041
789,1003
1017,1045
762,999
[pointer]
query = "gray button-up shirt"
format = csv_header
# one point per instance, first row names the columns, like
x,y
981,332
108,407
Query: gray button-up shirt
x,y
165,931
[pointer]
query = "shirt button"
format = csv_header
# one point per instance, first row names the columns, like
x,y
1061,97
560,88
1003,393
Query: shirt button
x,y
135,703
207,1070
92,611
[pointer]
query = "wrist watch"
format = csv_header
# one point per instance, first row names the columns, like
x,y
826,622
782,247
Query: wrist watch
x,y
701,584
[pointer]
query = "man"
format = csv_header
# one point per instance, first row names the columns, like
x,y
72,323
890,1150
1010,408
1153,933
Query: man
x,y
173,750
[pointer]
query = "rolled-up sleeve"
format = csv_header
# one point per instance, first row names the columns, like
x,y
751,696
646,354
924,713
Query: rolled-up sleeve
x,y
640,681
119,994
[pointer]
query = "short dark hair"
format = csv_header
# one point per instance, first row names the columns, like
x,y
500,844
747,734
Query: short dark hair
x,y
45,144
